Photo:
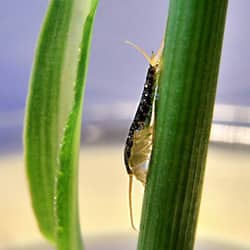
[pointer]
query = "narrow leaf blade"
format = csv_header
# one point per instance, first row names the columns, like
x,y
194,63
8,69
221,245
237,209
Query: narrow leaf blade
x,y
50,102
42,118
68,227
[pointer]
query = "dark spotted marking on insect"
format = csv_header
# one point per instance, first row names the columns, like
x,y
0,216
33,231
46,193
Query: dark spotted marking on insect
x,y
139,141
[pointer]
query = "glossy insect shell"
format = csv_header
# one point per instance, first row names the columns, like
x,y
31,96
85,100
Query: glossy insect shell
x,y
139,140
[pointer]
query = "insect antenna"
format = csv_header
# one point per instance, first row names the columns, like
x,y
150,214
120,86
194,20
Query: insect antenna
x,y
154,59
131,203
140,50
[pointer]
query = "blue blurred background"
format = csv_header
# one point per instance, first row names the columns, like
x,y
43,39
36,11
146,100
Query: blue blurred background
x,y
116,72
114,84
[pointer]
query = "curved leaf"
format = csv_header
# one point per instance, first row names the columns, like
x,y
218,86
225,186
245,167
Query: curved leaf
x,y
68,232
51,100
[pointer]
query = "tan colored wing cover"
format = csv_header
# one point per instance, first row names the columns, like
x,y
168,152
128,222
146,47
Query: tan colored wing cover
x,y
140,152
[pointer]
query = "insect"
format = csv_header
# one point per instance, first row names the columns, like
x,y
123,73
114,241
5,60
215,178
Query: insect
x,y
139,141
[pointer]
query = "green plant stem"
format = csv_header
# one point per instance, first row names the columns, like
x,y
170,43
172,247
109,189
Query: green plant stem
x,y
187,87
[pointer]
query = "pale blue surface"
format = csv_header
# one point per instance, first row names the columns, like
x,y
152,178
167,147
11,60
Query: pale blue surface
x,y
116,72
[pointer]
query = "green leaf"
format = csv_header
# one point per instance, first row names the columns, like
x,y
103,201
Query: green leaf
x,y
68,233
52,101
187,87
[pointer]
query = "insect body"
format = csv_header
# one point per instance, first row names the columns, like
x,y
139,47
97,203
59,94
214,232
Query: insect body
x,y
139,140
138,145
